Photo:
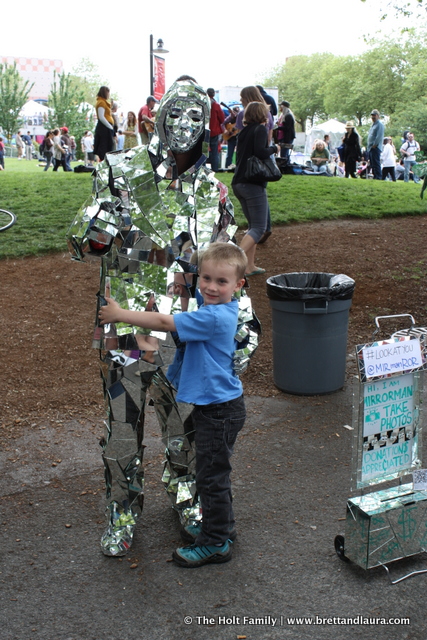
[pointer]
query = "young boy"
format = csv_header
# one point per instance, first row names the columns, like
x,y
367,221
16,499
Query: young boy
x,y
208,381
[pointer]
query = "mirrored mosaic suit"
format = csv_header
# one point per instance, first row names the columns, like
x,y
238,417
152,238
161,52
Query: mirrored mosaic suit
x,y
145,221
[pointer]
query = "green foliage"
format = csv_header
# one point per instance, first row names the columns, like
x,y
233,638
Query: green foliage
x,y
413,116
300,82
344,85
378,78
390,76
87,79
46,203
416,80
65,99
68,109
14,94
403,8
388,66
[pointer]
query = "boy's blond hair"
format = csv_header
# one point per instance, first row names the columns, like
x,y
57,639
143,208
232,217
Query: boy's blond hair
x,y
226,252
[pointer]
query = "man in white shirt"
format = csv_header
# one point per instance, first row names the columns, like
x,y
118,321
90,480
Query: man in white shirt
x,y
408,149
88,147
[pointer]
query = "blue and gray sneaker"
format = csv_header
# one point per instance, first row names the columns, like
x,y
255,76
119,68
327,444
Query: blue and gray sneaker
x,y
196,556
191,531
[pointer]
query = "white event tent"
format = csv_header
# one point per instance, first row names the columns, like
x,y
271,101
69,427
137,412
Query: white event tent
x,y
34,116
32,108
333,128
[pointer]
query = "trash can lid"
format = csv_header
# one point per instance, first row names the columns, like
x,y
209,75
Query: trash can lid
x,y
310,286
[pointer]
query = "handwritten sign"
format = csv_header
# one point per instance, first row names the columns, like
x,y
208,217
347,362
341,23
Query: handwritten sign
x,y
389,427
388,404
392,357
379,463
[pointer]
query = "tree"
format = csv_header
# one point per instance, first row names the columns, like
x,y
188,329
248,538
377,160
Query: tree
x,y
385,68
397,70
389,76
344,89
416,74
378,78
66,101
413,117
405,8
86,77
300,82
14,94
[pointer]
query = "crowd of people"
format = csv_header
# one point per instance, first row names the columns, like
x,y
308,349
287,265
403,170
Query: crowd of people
x,y
24,146
257,128
58,149
379,160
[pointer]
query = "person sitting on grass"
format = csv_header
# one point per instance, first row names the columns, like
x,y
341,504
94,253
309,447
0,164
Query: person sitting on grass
x,y
400,170
319,157
211,385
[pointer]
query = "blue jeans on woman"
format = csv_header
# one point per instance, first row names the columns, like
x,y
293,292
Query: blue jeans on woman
x,y
216,428
319,168
48,155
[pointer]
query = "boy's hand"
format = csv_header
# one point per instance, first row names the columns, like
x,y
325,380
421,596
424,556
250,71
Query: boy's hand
x,y
110,312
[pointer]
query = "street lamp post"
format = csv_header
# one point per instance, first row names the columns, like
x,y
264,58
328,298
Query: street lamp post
x,y
158,49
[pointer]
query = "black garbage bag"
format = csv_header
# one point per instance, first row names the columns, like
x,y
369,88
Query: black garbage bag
x,y
310,286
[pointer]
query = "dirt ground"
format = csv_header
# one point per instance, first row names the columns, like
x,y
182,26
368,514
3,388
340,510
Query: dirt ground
x,y
50,371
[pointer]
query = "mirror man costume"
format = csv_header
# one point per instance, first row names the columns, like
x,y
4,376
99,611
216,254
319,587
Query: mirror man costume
x,y
152,208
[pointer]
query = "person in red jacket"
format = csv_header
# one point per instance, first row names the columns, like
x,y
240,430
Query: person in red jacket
x,y
146,119
215,126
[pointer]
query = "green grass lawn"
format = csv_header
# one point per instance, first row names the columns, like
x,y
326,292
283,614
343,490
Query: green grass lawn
x,y
46,203
309,198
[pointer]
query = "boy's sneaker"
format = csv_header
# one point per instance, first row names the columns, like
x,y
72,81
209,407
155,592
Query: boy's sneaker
x,y
191,531
197,556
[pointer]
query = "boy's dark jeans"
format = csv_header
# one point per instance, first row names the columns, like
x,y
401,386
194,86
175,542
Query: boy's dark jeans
x,y
216,428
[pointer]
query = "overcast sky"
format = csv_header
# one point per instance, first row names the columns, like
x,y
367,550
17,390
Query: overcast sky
x,y
219,44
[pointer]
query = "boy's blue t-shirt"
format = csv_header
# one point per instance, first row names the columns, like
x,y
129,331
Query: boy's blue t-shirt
x,y
207,374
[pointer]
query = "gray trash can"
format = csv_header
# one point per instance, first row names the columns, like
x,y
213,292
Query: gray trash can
x,y
310,326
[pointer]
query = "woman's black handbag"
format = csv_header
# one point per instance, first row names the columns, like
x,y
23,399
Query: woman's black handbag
x,y
262,170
